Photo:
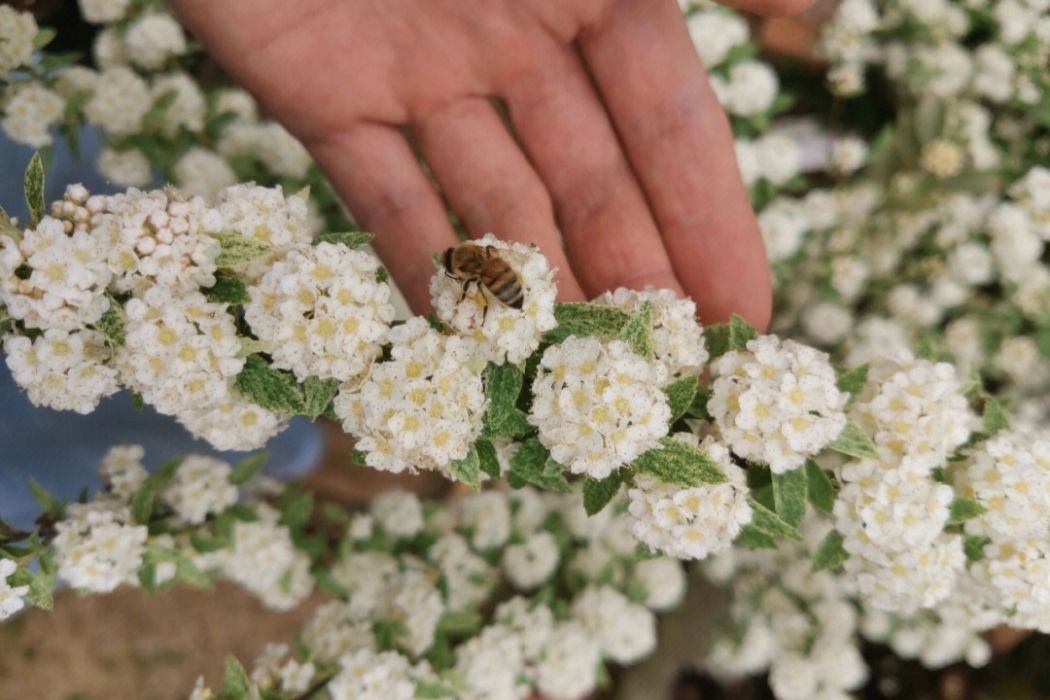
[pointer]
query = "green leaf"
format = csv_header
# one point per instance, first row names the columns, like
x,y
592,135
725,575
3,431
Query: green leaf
x,y
854,442
532,464
318,395
382,276
143,501
819,488
437,324
111,325
488,462
387,633
33,183
248,467
50,506
582,319
41,585
8,227
351,239
830,553
238,250
154,118
272,389
994,415
205,544
43,37
753,538
460,623
698,409
228,289
468,469
723,337
238,687
789,495
597,493
638,331
973,546
325,579
768,522
963,509
502,387
680,465
431,690
296,512
851,381
680,396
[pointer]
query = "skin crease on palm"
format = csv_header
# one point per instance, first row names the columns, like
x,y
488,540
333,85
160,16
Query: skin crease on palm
x,y
620,167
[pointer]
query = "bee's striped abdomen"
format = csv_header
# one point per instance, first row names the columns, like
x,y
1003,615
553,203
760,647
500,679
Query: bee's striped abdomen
x,y
506,287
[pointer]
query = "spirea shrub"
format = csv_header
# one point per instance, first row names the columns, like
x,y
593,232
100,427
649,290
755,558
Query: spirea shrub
x,y
853,477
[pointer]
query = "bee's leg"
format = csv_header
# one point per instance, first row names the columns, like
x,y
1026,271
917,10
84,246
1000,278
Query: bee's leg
x,y
463,290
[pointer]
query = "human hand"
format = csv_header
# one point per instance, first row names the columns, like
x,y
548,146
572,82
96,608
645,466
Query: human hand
x,y
635,169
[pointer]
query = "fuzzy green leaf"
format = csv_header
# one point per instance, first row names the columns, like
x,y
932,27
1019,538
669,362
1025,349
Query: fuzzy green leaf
x,y
680,465
723,337
852,381
50,507
238,250
830,553
973,546
41,584
228,289
33,183
111,325
854,442
351,239
789,495
8,227
460,623
532,464
43,37
582,319
272,389
502,387
597,493
753,538
994,415
143,501
468,469
488,462
768,522
318,395
431,690
638,331
248,467
963,509
680,396
819,488
388,633
296,512
238,687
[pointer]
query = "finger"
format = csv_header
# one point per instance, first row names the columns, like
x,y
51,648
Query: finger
x,y
490,183
679,143
769,8
610,236
374,169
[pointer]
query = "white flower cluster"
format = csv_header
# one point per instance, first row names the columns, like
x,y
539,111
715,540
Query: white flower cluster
x,y
322,311
795,624
201,487
891,512
691,523
389,568
98,547
17,31
678,339
776,403
30,113
421,409
368,675
503,334
598,405
266,562
12,598
158,253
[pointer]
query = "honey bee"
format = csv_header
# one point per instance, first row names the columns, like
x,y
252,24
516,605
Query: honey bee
x,y
482,266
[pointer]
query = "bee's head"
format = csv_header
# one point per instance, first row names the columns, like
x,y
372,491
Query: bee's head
x,y
446,259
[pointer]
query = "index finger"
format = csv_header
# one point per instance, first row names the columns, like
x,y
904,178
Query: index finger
x,y
681,148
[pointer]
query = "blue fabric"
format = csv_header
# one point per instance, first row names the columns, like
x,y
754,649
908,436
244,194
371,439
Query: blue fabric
x,y
62,450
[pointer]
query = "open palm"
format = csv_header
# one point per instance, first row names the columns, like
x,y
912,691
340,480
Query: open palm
x,y
619,160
